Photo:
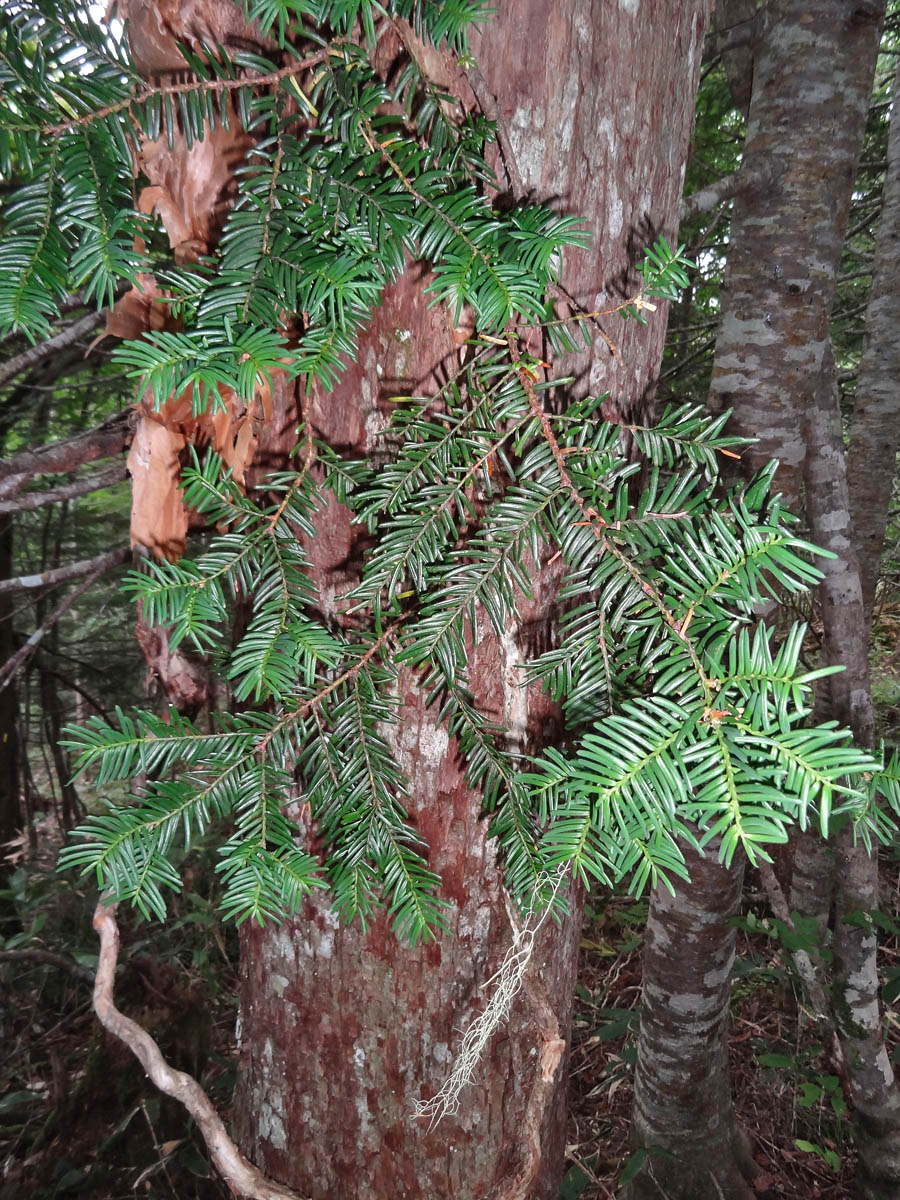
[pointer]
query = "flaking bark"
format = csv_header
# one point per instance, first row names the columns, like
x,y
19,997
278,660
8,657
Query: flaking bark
x,y
347,1030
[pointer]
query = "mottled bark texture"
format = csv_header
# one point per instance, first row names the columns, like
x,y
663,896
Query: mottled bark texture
x,y
812,81
812,78
876,411
598,100
10,804
682,1090
876,1100
855,989
341,1031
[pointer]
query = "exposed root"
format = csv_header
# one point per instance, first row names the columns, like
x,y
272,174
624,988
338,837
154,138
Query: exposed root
x,y
238,1172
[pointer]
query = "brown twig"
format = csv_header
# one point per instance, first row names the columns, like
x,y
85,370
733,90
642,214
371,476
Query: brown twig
x,y
32,954
347,676
239,1173
195,85
600,528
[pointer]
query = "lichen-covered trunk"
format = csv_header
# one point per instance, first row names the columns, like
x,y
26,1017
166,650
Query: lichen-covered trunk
x,y
876,410
855,992
10,803
682,1088
812,77
812,81
876,1100
341,1031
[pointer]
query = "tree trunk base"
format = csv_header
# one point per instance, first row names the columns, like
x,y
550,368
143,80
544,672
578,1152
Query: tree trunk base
x,y
666,1177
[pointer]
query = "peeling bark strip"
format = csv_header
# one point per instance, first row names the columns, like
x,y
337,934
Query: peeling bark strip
x,y
876,412
241,1176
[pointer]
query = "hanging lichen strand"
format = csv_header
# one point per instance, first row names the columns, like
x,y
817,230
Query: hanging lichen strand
x,y
686,721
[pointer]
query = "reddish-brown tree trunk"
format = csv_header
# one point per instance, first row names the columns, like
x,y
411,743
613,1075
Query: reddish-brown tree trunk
x,y
341,1032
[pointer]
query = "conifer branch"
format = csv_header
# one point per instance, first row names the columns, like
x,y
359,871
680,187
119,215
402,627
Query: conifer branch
x,y
148,91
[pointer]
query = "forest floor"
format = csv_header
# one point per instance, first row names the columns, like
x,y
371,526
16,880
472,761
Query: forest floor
x,y
787,1093
79,1119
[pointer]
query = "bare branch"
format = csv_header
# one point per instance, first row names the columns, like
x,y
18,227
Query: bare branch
x,y
59,341
87,566
238,1172
32,954
22,655
712,196
66,491
103,441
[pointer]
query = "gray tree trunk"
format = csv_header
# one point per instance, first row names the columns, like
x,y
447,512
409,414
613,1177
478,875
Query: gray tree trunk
x,y
876,1100
812,79
812,76
682,1090
876,412
812,82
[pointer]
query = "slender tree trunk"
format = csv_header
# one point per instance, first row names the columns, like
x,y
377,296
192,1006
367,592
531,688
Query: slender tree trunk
x,y
812,77
876,411
682,1090
876,1100
341,1032
10,806
812,80
736,23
